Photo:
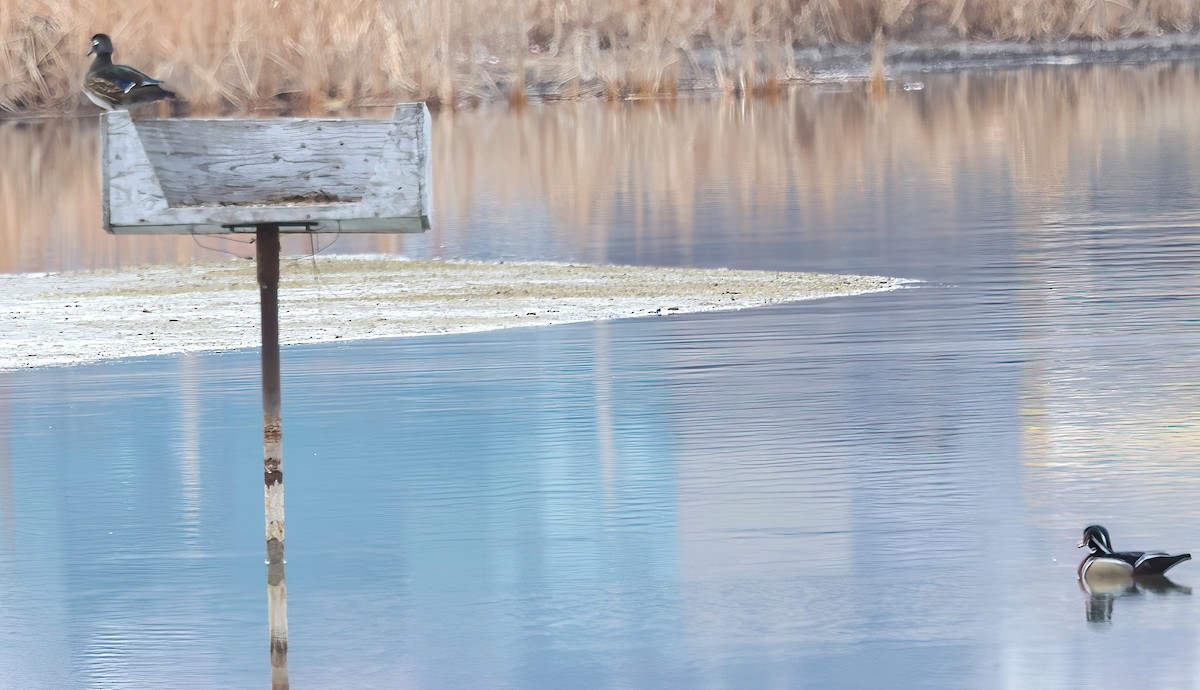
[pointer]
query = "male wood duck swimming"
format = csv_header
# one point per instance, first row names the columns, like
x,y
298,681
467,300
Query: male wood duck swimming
x,y
118,87
1104,563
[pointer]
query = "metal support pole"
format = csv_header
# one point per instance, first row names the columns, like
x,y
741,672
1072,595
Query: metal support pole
x,y
267,255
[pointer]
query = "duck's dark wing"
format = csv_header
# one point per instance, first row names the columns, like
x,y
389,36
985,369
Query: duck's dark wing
x,y
148,92
1130,557
1157,562
127,78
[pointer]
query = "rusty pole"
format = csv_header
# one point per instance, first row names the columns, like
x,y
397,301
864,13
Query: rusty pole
x,y
267,255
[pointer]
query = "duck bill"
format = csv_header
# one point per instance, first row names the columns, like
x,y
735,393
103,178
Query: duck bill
x,y
1081,544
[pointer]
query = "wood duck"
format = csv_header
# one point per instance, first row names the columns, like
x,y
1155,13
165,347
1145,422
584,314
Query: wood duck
x,y
118,87
1105,564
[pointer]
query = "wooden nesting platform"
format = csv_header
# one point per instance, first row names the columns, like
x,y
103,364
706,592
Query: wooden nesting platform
x,y
304,174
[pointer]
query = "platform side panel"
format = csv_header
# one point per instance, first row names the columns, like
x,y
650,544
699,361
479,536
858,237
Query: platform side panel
x,y
395,188
426,165
132,193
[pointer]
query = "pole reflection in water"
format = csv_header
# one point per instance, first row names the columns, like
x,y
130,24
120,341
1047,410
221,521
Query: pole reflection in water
x,y
7,510
267,256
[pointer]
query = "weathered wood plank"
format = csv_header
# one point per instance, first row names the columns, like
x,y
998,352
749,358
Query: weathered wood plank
x,y
252,161
194,176
372,225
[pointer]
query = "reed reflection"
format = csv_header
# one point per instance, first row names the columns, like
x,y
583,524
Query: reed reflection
x,y
562,180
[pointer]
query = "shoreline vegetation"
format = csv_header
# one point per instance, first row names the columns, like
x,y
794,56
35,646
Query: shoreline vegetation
x,y
314,56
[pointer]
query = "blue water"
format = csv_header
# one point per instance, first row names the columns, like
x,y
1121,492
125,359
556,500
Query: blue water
x,y
846,493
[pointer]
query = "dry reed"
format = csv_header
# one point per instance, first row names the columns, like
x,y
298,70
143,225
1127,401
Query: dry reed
x,y
878,83
316,55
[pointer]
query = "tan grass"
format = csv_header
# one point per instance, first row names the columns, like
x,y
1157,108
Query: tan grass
x,y
320,55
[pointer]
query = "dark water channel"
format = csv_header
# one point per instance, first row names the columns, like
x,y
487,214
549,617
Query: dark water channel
x,y
883,490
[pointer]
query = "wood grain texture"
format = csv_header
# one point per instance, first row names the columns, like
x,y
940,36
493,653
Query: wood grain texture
x,y
194,176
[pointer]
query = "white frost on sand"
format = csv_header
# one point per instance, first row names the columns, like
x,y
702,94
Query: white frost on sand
x,y
62,318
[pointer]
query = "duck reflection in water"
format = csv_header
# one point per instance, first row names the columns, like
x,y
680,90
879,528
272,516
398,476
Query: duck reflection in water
x,y
1106,574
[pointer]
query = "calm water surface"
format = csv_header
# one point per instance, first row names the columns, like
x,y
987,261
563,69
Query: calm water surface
x,y
846,493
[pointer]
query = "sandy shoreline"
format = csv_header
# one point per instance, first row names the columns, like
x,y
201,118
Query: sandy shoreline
x,y
67,318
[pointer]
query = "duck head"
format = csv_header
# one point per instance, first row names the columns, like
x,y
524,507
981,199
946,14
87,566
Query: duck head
x,y
1096,539
101,45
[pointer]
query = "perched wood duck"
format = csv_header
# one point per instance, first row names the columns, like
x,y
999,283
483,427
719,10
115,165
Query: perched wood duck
x,y
1105,564
118,87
